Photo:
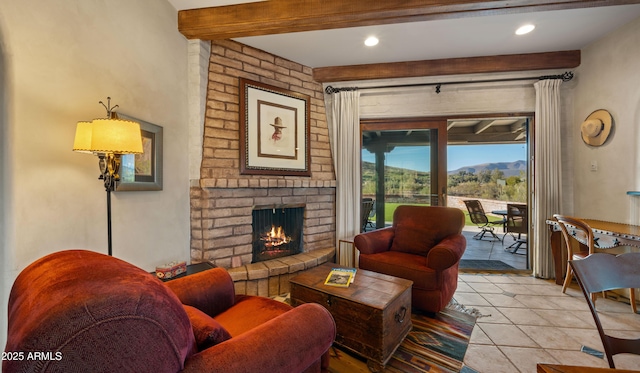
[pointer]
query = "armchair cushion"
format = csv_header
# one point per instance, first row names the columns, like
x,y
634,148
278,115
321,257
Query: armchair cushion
x,y
207,331
412,239
417,231
275,346
404,265
249,312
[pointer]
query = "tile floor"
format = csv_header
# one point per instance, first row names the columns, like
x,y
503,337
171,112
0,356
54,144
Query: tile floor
x,y
527,320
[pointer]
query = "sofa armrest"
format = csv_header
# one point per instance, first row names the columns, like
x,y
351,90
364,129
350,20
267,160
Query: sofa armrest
x,y
291,342
447,252
210,291
375,241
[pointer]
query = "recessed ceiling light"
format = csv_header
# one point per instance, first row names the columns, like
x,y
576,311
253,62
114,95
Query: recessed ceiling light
x,y
371,41
525,29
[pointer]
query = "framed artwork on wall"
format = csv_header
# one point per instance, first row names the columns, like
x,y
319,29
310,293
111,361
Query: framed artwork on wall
x,y
274,130
143,172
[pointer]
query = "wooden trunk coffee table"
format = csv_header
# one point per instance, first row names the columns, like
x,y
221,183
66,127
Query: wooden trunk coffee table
x,y
372,315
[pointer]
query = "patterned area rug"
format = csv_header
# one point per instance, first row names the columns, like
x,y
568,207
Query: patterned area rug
x,y
435,344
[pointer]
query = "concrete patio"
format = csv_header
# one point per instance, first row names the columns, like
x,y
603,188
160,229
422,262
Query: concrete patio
x,y
486,249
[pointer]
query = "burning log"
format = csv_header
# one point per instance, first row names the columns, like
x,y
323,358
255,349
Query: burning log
x,y
275,237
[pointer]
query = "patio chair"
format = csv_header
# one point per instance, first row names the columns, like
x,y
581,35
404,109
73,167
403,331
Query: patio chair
x,y
517,222
365,212
600,272
479,218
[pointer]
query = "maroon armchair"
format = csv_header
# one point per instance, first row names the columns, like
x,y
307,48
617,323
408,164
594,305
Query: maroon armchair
x,y
88,312
423,245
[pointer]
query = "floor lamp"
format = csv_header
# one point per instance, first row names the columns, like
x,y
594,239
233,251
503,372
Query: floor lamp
x,y
108,138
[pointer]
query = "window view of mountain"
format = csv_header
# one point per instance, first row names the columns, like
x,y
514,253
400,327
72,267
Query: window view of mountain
x,y
503,181
507,168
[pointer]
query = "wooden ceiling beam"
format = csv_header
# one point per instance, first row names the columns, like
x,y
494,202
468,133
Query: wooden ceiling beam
x,y
287,16
482,126
449,66
518,126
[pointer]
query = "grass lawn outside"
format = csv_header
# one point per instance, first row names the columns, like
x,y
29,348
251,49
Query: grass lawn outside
x,y
391,207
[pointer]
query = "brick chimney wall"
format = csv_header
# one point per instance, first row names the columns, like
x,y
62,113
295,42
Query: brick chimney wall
x,y
221,204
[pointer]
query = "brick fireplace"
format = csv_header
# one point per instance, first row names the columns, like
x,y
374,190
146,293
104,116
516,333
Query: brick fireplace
x,y
222,200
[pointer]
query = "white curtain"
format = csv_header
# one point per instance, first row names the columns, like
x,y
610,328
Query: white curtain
x,y
343,117
547,167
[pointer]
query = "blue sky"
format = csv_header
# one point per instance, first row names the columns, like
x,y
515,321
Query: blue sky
x,y
417,158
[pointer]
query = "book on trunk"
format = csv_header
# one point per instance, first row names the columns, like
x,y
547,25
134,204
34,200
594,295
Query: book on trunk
x,y
340,277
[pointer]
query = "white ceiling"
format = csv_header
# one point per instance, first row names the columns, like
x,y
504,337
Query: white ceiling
x,y
451,38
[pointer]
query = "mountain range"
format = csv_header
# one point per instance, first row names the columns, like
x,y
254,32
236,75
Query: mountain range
x,y
508,168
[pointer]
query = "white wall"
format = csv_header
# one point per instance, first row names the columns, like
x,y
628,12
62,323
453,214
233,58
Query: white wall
x,y
608,78
61,58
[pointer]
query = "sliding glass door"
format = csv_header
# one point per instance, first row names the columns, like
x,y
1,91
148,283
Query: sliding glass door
x,y
403,162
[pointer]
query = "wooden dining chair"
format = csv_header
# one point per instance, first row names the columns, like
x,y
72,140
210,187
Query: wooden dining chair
x,y
600,272
577,229
580,231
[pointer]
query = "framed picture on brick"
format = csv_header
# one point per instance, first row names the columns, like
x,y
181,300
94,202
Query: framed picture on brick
x,y
274,130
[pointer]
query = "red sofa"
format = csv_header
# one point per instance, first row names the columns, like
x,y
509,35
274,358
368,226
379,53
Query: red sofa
x,y
88,312
423,245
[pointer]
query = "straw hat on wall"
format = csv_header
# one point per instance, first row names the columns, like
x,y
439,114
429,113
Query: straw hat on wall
x,y
596,128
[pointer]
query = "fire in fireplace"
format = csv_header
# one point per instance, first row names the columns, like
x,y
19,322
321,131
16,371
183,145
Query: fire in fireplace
x,y
275,237
277,231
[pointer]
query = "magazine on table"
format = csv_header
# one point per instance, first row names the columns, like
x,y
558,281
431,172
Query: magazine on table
x,y
340,277
352,270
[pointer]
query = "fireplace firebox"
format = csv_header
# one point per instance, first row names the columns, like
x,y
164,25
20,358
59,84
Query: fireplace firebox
x,y
277,231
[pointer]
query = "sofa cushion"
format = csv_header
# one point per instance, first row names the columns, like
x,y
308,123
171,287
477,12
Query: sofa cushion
x,y
207,331
413,240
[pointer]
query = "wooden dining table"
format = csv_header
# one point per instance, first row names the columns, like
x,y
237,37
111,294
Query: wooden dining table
x,y
607,235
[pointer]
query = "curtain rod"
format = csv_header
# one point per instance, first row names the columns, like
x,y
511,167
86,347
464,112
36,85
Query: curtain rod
x,y
567,76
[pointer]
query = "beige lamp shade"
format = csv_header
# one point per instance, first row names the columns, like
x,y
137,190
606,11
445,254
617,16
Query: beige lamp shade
x,y
115,136
82,141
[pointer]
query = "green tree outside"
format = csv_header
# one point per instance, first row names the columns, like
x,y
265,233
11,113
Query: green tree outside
x,y
402,185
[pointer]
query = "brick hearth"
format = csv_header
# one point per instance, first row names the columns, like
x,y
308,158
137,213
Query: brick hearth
x,y
271,277
222,199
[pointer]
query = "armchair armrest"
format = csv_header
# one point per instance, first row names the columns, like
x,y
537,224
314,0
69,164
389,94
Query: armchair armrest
x,y
288,343
375,241
447,252
210,291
